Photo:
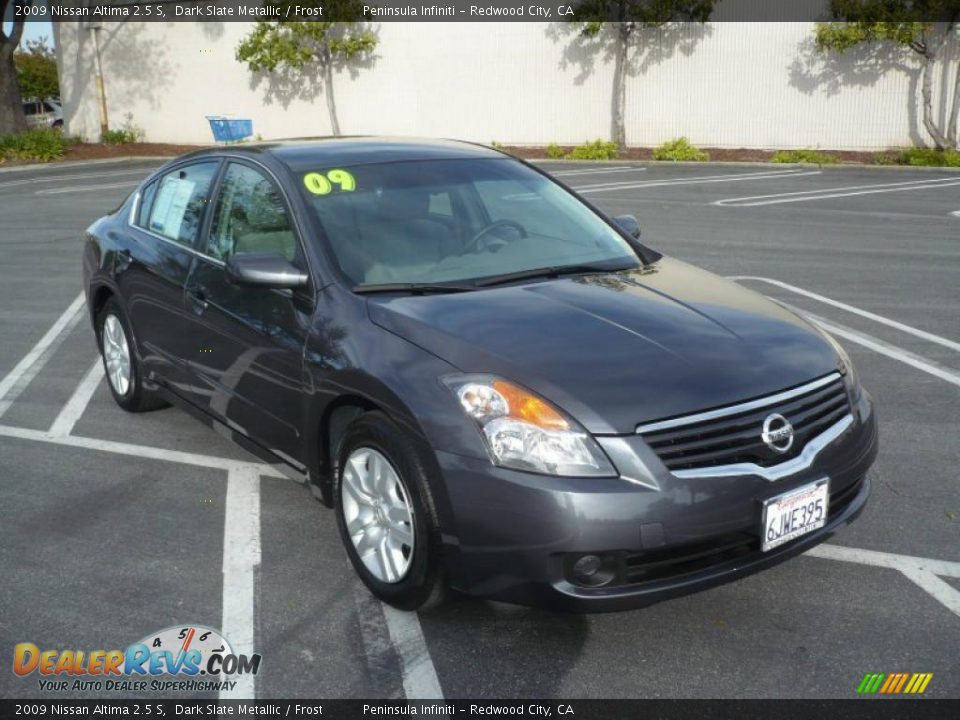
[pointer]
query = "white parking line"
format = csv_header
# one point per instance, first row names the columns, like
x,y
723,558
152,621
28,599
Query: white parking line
x,y
140,451
71,412
892,351
703,179
85,188
922,571
17,379
142,172
241,565
420,680
838,192
595,171
955,213
855,310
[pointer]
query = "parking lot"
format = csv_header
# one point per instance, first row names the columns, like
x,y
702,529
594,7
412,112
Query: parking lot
x,y
115,525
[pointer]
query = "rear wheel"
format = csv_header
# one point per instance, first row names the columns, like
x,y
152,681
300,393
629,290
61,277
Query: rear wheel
x,y
385,514
120,361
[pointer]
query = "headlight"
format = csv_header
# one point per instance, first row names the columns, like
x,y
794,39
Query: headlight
x,y
846,368
525,432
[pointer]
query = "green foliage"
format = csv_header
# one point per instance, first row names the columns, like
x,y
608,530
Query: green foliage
x,y
928,157
811,157
904,22
554,151
296,44
37,144
596,150
127,133
680,150
594,14
37,70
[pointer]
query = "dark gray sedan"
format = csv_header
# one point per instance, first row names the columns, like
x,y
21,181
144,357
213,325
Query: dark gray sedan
x,y
497,388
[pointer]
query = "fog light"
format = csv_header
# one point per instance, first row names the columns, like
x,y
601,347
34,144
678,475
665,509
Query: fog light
x,y
592,570
586,567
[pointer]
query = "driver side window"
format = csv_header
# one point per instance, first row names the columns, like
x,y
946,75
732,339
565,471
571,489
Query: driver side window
x,y
250,217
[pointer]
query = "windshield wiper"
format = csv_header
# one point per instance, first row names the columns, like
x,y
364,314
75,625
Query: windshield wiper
x,y
549,272
413,288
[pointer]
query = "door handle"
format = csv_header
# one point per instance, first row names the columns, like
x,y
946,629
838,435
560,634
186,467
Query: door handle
x,y
123,260
198,299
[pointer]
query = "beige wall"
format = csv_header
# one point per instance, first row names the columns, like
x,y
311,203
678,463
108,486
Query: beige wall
x,y
725,84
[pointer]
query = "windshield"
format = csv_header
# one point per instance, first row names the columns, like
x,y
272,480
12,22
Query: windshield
x,y
440,221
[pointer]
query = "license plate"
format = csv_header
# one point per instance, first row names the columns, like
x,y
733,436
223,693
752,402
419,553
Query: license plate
x,y
796,513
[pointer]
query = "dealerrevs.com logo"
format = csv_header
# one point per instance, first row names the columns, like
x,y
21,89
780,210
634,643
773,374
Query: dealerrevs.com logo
x,y
193,658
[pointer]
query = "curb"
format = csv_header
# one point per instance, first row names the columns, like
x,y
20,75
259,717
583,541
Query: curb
x,y
725,163
81,163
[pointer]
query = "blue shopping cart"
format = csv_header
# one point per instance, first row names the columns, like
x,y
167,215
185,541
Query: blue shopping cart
x,y
228,130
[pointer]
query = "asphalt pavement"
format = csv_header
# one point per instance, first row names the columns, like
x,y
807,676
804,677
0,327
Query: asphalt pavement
x,y
114,526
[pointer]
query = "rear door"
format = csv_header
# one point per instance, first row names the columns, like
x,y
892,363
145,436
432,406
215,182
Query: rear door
x,y
249,342
153,262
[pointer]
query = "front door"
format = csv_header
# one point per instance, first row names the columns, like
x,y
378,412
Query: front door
x,y
248,342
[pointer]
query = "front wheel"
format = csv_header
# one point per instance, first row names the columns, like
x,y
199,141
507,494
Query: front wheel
x,y
384,513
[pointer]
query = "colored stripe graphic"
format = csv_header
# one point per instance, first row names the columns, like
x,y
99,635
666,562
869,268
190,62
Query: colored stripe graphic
x,y
894,683
870,683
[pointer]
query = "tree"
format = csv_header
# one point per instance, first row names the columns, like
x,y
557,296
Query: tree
x,y
296,45
37,70
628,17
921,27
12,118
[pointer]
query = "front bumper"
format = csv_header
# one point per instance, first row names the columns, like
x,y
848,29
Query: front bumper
x,y
514,535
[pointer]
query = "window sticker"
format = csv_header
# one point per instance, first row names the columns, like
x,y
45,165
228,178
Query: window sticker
x,y
170,206
325,183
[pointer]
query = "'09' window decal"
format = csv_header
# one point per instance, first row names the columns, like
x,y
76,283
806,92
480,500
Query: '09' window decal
x,y
320,183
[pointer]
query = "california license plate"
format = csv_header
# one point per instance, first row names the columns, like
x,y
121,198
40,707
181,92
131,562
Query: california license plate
x,y
798,512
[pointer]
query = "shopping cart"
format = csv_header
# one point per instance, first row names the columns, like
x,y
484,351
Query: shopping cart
x,y
227,130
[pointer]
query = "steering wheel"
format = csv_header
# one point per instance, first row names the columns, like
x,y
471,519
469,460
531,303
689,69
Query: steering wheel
x,y
474,244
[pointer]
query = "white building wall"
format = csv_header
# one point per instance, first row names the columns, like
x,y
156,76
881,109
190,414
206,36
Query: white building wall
x,y
725,84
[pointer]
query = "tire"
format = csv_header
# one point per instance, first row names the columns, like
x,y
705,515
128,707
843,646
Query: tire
x,y
130,395
415,579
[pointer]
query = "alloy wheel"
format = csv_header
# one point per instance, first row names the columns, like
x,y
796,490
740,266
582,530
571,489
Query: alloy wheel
x,y
116,355
378,514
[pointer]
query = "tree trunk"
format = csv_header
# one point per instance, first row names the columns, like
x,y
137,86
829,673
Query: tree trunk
x,y
327,60
926,91
952,135
12,118
620,85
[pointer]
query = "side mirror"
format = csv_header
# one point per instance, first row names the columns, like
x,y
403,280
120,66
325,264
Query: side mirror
x,y
264,270
628,223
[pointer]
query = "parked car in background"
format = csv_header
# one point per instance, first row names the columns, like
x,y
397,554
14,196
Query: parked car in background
x,y
497,387
43,113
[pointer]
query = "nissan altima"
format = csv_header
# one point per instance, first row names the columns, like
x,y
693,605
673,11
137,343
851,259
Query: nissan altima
x,y
497,388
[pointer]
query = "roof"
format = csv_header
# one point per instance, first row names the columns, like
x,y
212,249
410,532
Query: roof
x,y
363,150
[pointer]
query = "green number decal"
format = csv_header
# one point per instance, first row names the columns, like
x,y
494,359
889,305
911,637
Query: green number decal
x,y
320,184
342,178
317,183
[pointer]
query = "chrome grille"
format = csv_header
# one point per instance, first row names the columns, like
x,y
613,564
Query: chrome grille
x,y
731,435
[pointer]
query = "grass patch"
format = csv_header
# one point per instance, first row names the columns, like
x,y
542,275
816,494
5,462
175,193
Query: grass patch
x,y
596,150
36,145
809,157
680,150
555,152
928,157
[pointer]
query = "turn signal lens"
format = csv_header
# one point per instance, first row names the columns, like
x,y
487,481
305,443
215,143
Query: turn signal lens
x,y
526,432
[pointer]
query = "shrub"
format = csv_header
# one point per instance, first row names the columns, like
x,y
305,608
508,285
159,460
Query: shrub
x,y
811,157
680,150
36,144
128,133
596,150
929,157
554,151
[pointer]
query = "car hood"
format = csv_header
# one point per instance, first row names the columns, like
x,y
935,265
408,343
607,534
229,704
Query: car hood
x,y
619,349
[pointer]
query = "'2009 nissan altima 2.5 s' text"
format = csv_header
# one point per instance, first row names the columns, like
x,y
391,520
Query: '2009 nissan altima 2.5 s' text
x,y
497,388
